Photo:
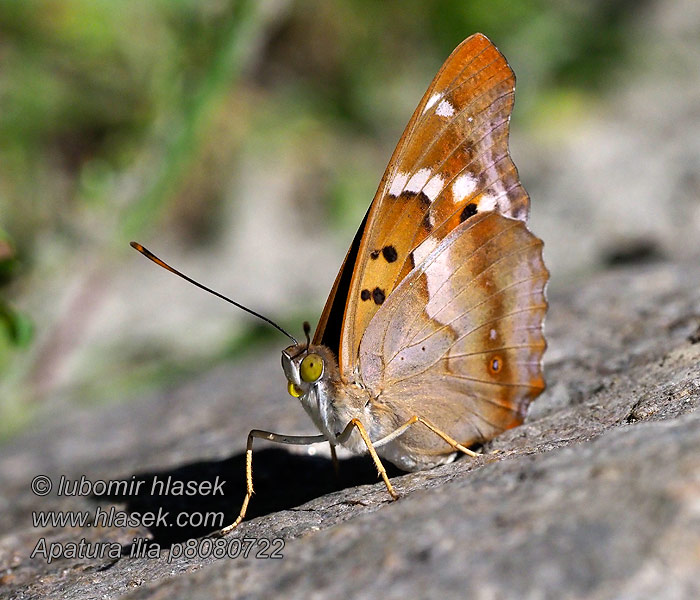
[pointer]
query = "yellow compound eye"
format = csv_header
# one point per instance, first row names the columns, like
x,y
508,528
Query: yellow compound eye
x,y
311,368
294,390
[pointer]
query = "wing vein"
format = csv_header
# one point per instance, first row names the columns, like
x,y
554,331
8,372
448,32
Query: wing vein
x,y
436,137
484,300
465,262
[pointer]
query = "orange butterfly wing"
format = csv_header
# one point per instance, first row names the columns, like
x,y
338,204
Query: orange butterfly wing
x,y
452,162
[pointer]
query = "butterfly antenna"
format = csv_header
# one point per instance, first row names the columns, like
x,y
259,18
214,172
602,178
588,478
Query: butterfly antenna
x,y
307,332
148,254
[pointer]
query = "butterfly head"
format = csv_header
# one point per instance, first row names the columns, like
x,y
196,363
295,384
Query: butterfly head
x,y
313,378
304,366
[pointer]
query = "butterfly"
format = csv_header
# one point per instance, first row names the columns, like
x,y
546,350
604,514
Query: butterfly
x,y
431,339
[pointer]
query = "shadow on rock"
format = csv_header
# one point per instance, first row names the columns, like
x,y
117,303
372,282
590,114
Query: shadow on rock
x,y
199,493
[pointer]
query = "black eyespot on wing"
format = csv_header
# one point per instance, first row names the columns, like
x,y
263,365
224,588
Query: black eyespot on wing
x,y
365,295
468,149
469,211
378,295
520,212
422,197
424,200
495,365
427,225
389,253
374,255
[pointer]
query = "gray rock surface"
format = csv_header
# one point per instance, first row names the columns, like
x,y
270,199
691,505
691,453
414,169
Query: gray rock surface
x,y
596,496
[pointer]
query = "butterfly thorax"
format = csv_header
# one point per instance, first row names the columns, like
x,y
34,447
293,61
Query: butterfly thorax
x,y
314,378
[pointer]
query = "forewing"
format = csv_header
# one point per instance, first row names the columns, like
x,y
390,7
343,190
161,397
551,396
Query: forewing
x,y
460,340
330,325
451,163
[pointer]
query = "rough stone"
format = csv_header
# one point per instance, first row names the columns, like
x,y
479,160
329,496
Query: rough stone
x,y
595,496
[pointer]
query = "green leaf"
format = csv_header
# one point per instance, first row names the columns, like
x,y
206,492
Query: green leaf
x,y
18,327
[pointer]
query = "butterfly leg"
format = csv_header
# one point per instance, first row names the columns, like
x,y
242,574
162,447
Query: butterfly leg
x,y
299,440
343,437
416,419
334,458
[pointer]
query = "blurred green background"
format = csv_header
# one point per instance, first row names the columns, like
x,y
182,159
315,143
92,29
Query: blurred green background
x,y
242,141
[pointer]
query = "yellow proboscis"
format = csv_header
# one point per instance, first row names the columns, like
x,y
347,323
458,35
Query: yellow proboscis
x,y
294,390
